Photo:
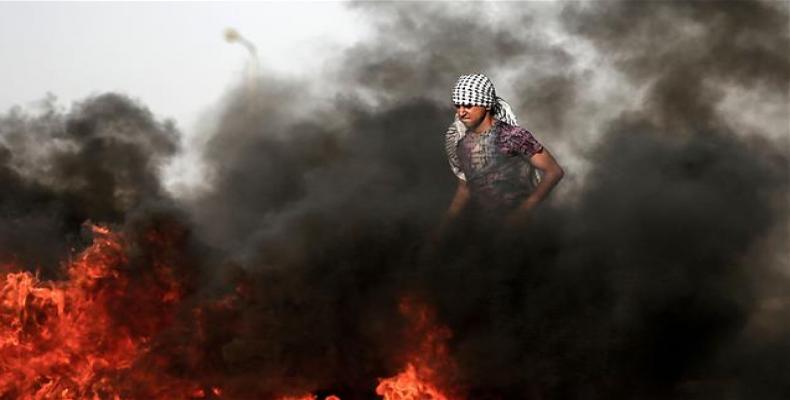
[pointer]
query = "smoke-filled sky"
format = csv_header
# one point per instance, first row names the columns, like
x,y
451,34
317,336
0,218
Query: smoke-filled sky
x,y
172,56
658,269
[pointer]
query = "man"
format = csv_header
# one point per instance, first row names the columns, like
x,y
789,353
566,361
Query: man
x,y
495,159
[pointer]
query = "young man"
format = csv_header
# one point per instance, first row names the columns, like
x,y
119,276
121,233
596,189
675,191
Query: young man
x,y
495,159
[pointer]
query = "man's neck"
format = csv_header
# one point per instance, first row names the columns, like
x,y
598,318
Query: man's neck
x,y
485,124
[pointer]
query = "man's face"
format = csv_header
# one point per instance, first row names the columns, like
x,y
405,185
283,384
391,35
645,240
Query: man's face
x,y
470,116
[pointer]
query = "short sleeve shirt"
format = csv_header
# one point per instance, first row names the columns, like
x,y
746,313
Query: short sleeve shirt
x,y
494,164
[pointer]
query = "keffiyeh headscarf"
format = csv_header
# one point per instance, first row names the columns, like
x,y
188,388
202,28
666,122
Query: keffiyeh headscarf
x,y
477,90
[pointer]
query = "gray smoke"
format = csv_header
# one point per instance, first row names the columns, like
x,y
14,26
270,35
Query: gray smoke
x,y
656,271
644,285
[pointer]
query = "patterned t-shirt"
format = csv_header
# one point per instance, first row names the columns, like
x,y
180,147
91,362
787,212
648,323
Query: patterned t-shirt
x,y
494,164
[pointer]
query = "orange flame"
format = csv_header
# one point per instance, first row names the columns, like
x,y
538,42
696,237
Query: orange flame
x,y
421,378
62,340
308,397
66,339
408,385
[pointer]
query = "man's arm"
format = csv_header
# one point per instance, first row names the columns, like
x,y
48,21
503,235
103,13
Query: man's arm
x,y
459,200
461,197
456,205
552,173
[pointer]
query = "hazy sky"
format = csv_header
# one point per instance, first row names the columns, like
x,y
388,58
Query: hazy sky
x,y
171,56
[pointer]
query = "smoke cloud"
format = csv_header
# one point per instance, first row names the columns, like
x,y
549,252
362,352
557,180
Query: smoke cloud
x,y
99,161
659,269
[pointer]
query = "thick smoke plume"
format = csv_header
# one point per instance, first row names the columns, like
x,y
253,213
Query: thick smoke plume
x,y
657,271
99,161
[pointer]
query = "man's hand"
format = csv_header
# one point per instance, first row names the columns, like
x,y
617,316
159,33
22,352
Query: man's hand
x,y
520,215
459,201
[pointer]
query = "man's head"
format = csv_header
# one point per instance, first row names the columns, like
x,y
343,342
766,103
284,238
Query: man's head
x,y
474,98
472,116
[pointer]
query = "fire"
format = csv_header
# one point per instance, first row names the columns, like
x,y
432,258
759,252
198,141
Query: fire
x,y
408,385
97,334
66,339
429,366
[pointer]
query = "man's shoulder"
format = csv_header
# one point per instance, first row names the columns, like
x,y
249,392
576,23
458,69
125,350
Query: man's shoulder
x,y
514,138
508,129
509,132
456,129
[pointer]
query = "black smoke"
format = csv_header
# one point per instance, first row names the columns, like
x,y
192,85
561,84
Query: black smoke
x,y
656,272
98,162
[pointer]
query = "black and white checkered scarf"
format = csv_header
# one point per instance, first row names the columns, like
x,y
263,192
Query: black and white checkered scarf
x,y
477,90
